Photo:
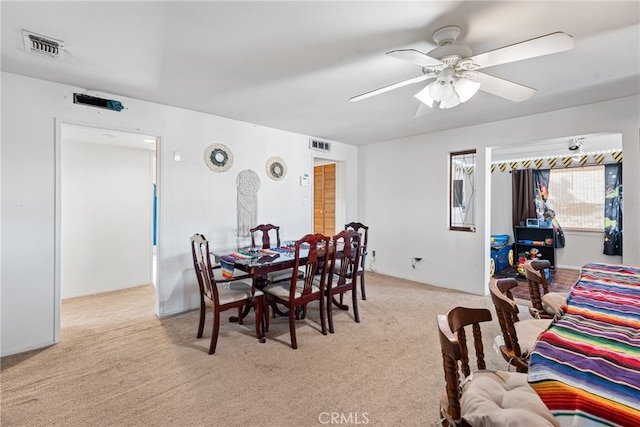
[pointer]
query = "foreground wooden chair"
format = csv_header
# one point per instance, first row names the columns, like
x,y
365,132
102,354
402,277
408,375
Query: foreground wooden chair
x,y
545,303
518,336
298,292
219,293
486,397
343,275
357,226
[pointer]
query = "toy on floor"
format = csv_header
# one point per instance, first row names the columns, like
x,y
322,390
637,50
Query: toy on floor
x,y
501,253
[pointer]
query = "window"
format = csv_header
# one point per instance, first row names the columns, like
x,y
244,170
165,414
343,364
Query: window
x,y
462,191
577,197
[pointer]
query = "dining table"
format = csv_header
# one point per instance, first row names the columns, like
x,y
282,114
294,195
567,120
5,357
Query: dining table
x,y
586,366
258,262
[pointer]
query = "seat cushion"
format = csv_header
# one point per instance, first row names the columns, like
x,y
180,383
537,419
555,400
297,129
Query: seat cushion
x,y
552,302
528,332
280,275
235,291
500,398
281,290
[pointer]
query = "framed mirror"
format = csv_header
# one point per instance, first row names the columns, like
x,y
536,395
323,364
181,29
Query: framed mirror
x,y
462,190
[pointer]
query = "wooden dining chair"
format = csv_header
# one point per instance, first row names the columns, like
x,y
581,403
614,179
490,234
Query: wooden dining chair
x,y
545,304
310,255
343,277
357,226
219,293
518,336
265,232
482,397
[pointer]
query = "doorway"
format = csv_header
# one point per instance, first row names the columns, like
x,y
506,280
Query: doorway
x,y
324,199
106,200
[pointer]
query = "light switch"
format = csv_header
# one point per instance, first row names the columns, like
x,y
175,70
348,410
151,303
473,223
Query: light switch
x,y
176,156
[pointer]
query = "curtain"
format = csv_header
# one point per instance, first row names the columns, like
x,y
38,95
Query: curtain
x,y
522,196
541,191
543,211
613,209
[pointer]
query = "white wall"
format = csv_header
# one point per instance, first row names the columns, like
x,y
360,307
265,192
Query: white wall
x,y
191,197
581,247
107,205
404,193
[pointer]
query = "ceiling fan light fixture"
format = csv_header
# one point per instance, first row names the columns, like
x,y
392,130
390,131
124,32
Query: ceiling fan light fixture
x,y
466,89
441,89
424,96
450,102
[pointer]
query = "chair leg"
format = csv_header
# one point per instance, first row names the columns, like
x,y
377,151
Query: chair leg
x,y
292,326
323,317
259,316
330,311
265,308
214,332
203,312
354,299
364,295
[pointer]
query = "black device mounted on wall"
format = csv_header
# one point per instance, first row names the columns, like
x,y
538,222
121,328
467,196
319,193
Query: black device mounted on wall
x,y
109,104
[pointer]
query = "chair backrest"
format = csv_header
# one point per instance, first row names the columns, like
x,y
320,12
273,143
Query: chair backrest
x,y
346,248
455,354
507,313
357,226
204,268
266,240
536,278
316,248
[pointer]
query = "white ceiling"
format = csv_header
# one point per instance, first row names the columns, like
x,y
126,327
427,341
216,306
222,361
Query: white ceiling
x,y
294,65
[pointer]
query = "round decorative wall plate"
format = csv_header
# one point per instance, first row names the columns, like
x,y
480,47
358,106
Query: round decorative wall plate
x,y
218,157
276,168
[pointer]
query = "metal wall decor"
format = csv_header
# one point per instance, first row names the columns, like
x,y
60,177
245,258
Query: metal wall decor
x,y
276,168
218,157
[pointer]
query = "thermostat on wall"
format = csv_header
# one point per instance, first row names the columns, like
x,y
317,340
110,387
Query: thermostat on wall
x,y
304,180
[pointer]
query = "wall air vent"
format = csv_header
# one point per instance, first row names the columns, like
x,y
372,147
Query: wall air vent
x,y
42,45
316,144
92,101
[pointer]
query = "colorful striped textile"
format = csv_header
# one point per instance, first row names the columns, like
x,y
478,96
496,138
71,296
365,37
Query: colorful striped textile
x,y
586,366
227,265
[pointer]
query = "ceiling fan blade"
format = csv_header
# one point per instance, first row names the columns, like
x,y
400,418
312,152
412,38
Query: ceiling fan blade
x,y
423,110
391,87
416,57
504,88
543,45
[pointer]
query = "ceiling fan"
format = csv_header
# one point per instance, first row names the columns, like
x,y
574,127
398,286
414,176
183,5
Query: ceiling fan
x,y
454,69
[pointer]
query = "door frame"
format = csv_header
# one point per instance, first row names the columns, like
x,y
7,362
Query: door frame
x,y
59,123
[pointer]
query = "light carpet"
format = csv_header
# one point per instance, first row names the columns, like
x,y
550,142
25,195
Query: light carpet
x,y
119,365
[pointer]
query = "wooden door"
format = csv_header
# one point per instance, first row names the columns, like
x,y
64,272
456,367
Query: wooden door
x,y
324,199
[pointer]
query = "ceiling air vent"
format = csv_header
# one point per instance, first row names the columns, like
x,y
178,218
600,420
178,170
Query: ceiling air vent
x,y
42,45
93,101
316,144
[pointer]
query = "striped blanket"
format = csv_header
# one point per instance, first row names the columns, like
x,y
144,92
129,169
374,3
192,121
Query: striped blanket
x,y
586,366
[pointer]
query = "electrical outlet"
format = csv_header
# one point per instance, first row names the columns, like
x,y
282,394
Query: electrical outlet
x,y
373,254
